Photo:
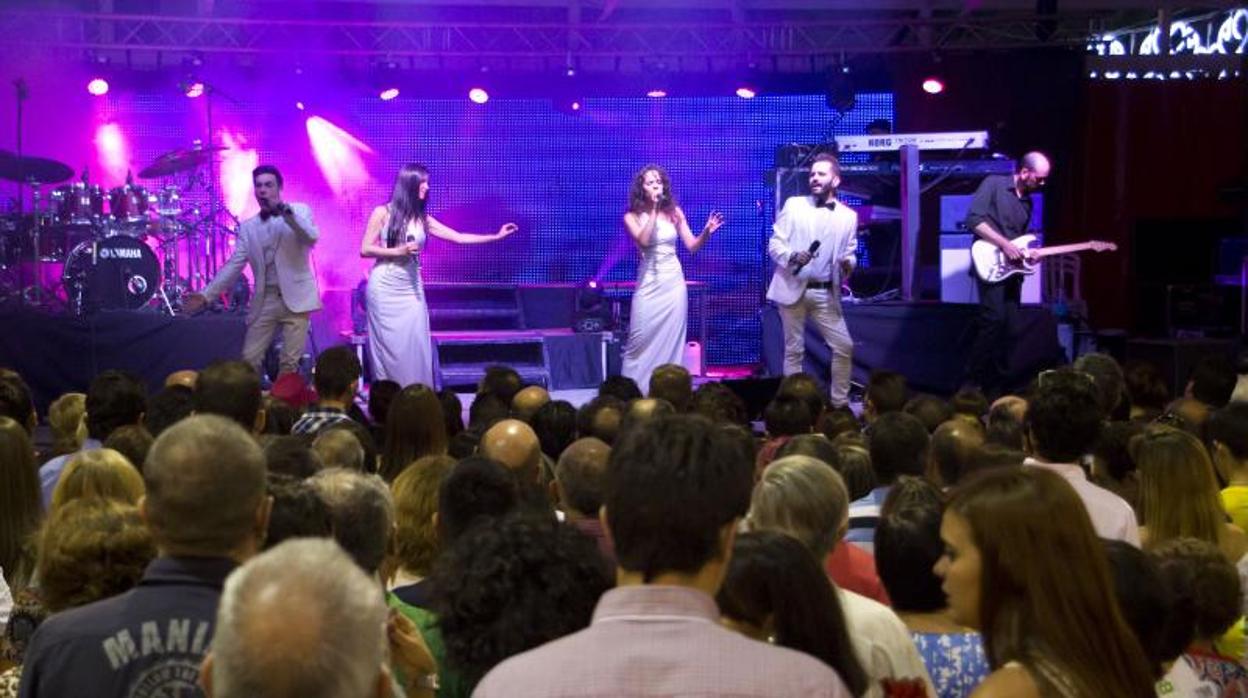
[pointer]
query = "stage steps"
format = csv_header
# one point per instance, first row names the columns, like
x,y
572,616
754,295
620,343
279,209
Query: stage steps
x,y
460,358
463,307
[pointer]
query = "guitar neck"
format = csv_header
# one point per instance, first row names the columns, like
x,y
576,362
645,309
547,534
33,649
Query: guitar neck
x,y
1061,249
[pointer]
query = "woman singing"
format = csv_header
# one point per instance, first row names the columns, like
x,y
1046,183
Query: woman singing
x,y
398,319
656,334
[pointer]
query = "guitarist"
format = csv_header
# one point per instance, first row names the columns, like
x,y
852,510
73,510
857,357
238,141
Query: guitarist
x,y
1001,211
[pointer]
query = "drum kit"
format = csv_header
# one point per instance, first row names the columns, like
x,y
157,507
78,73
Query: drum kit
x,y
103,239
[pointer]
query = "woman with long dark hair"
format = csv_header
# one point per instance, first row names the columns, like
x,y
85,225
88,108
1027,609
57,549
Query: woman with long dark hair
x,y
398,319
415,428
660,308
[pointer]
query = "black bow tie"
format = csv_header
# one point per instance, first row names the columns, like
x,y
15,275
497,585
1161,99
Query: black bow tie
x,y
266,214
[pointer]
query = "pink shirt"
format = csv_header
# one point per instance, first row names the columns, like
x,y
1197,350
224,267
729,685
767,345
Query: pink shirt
x,y
1111,516
659,641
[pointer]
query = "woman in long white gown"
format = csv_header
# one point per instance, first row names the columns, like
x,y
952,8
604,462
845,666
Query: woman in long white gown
x,y
398,318
660,307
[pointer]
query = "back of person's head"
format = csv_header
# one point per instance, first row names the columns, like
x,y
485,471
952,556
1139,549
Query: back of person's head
x,y
620,387
452,412
476,488
774,590
91,549
65,417
672,487
673,383
501,381
581,472
804,387
16,402
718,403
1146,388
514,444
787,415
600,418
898,444
930,410
168,407
336,372
951,448
854,465
292,455
886,392
1005,426
205,482
837,421
804,498
992,457
299,620
362,513
380,394
21,501
100,473
1027,524
363,436
415,427
489,611
463,444
907,547
1147,604
1226,432
113,400
132,441
1112,454
415,493
279,416
230,389
1178,489
298,511
528,401
555,425
486,410
1213,380
1063,416
645,410
814,445
970,402
340,448
1107,375
1203,584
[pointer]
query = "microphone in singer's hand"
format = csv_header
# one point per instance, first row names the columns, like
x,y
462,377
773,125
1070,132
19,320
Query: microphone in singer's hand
x,y
814,247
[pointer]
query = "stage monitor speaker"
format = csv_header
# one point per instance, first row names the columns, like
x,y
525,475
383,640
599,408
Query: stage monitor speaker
x,y
1177,357
953,210
956,284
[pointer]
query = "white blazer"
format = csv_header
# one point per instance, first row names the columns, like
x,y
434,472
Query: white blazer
x,y
799,224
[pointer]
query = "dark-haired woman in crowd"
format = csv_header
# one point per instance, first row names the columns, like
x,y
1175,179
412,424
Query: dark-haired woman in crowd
x,y
415,427
1023,565
398,319
775,592
660,308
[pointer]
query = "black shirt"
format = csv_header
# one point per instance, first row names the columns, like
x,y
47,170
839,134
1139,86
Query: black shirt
x,y
996,203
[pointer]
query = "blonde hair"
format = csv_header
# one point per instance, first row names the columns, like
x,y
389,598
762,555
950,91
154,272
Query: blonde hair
x,y
415,501
65,416
91,549
803,497
98,474
1178,491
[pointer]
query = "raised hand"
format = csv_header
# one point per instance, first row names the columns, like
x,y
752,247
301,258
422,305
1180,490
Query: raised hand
x,y
505,230
713,222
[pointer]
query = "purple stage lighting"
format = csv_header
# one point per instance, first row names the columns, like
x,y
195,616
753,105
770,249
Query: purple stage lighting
x,y
98,87
745,92
299,106
389,94
657,93
933,86
195,89
478,95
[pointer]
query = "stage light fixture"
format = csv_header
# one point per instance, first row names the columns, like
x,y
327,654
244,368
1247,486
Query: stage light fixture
x,y
194,88
657,93
98,87
933,86
389,94
745,92
478,95
299,106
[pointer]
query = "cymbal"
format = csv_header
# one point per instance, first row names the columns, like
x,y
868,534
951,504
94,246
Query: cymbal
x,y
180,160
27,169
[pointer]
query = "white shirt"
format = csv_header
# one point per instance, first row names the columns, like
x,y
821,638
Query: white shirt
x,y
882,642
1111,516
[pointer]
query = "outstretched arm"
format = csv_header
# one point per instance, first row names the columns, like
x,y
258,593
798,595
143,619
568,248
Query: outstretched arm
x,y
445,232
693,244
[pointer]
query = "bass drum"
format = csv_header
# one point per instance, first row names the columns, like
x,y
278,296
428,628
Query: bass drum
x,y
116,273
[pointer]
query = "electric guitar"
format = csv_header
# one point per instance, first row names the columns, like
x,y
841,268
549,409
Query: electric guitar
x,y
992,266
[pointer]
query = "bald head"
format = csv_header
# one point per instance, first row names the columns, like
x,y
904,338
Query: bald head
x,y
1035,161
528,401
298,620
185,378
1013,405
643,410
952,445
581,476
514,444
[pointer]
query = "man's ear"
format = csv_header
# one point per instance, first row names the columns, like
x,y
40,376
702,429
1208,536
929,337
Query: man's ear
x,y
205,674
262,419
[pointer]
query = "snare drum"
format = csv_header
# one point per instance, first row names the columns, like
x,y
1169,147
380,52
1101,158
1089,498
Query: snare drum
x,y
119,272
128,203
78,203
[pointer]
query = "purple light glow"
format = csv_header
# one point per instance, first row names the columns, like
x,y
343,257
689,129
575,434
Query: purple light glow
x,y
933,86
657,93
745,92
98,87
195,89
113,152
339,155
389,94
478,95
299,106
576,106
237,162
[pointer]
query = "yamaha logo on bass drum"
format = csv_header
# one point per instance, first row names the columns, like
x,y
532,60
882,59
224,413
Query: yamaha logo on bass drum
x,y
120,253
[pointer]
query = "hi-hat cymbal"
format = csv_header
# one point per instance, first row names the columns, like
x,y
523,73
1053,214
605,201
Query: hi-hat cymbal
x,y
179,160
28,169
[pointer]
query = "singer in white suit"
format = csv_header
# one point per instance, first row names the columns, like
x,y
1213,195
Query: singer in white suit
x,y
813,244
275,244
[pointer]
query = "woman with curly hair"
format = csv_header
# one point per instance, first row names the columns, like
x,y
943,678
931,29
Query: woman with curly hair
x,y
660,307
508,585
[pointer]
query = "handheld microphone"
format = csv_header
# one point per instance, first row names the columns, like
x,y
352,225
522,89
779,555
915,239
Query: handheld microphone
x,y
814,247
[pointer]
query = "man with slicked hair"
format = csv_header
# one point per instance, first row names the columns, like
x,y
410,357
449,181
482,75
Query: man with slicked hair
x,y
207,511
230,389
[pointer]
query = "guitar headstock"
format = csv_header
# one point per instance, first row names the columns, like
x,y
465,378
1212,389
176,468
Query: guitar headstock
x,y
1102,246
